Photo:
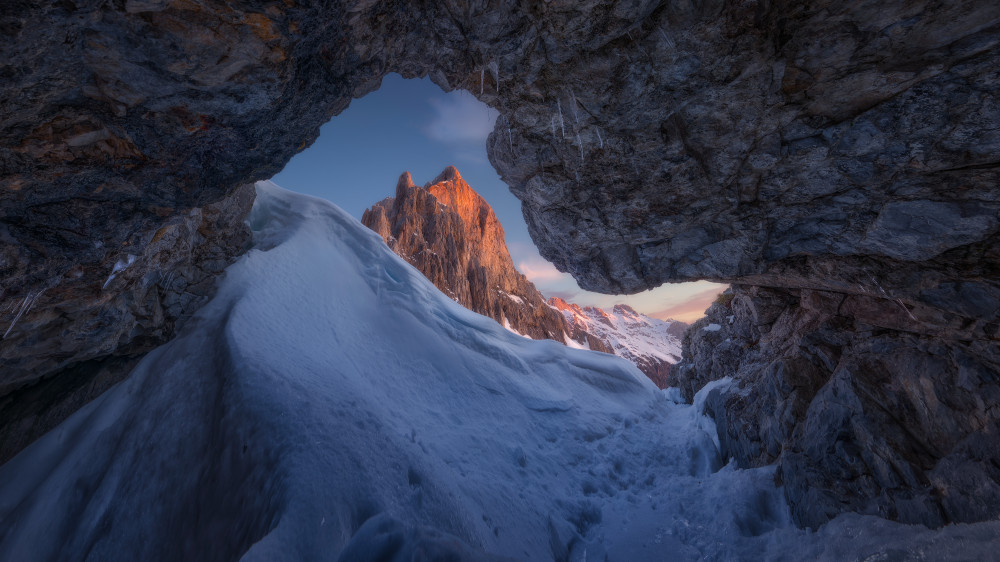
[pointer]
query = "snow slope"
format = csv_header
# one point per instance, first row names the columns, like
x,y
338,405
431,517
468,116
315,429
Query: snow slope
x,y
331,403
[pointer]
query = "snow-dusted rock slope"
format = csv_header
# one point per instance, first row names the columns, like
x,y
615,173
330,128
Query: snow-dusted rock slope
x,y
331,403
654,345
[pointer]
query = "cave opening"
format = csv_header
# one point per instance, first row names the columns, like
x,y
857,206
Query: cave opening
x,y
412,125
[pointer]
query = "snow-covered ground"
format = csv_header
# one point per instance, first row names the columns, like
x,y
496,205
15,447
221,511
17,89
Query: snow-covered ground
x,y
331,403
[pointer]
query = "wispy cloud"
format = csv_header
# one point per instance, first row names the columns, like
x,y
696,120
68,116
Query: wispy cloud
x,y
567,296
460,118
539,270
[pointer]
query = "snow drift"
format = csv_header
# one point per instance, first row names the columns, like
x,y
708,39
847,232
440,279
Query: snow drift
x,y
331,403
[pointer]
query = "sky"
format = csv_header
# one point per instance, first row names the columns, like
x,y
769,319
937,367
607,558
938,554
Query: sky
x,y
412,125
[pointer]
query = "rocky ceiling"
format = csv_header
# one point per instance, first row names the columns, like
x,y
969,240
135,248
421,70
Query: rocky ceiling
x,y
844,147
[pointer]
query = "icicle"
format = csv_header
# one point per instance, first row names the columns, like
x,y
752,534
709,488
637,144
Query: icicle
x,y
553,127
577,172
580,143
26,304
17,317
667,39
599,139
169,280
495,70
562,125
887,297
482,77
575,118
912,317
510,139
120,265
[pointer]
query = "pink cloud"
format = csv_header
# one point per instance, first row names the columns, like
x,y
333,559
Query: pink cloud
x,y
692,308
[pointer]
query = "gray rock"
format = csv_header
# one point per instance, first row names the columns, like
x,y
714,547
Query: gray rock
x,y
858,417
72,342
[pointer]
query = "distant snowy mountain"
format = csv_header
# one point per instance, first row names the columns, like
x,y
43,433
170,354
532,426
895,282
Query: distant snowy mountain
x,y
653,345
451,234
330,404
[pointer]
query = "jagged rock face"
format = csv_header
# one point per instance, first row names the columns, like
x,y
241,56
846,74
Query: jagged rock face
x,y
858,417
653,345
847,149
821,145
451,234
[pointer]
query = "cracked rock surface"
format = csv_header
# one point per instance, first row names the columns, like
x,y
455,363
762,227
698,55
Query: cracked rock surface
x,y
858,416
848,149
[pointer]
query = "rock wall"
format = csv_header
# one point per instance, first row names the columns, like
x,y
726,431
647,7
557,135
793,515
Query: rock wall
x,y
846,149
859,416
67,342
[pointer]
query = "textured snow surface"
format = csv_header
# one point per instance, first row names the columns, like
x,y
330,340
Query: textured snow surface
x,y
331,403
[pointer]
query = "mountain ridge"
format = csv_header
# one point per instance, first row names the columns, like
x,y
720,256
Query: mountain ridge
x,y
451,234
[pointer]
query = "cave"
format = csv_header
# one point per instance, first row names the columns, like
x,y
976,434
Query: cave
x,y
836,162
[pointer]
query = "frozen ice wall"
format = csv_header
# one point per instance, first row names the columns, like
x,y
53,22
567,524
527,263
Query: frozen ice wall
x,y
331,403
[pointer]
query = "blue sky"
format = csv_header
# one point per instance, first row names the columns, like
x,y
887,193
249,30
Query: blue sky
x,y
411,125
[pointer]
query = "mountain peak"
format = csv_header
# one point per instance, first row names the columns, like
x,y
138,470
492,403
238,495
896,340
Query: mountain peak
x,y
653,345
449,174
561,305
451,234
452,190
624,310
404,184
405,181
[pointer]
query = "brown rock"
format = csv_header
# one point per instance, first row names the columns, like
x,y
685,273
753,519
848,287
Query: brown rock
x,y
451,234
